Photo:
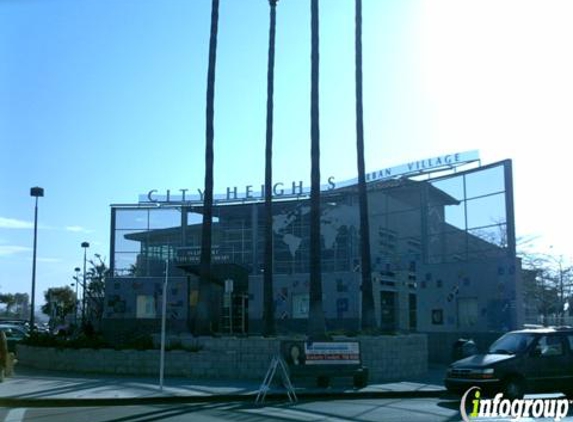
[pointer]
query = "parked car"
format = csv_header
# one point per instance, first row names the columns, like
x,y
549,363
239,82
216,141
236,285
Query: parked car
x,y
14,334
20,322
519,362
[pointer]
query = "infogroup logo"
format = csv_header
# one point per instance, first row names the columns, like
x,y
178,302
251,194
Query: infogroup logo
x,y
498,407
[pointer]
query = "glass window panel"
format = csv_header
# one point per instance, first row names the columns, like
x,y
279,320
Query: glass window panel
x,y
123,244
194,218
435,220
453,187
131,219
124,264
410,195
485,182
455,246
455,217
486,211
435,249
400,201
484,236
164,218
407,223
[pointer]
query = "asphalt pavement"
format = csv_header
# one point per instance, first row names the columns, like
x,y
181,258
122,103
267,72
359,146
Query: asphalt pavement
x,y
36,388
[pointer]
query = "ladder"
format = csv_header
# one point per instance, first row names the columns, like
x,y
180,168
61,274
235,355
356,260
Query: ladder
x,y
276,362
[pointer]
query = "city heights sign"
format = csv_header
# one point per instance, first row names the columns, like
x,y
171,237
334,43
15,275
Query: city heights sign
x,y
296,188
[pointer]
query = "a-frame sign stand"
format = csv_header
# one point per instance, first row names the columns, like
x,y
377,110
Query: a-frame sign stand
x,y
276,363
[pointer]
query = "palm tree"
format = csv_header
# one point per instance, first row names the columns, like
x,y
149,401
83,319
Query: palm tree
x,y
204,306
368,318
316,323
95,289
268,309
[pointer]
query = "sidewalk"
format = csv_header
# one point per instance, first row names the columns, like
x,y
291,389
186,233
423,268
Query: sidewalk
x,y
32,388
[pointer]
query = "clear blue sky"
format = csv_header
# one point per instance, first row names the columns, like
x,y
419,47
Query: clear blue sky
x,y
103,100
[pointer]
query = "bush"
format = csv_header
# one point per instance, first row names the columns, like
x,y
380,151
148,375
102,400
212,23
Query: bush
x,y
83,341
140,342
80,341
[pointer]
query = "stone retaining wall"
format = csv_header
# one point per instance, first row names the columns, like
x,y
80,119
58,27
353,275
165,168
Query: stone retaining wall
x,y
440,345
387,357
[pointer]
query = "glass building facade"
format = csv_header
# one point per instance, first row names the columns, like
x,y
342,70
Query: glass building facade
x,y
437,248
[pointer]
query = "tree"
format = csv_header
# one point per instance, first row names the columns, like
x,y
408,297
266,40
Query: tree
x,y
95,289
16,304
547,282
316,322
9,300
22,301
204,305
268,308
60,302
368,317
558,277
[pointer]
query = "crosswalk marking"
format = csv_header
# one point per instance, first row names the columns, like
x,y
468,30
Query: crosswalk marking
x,y
296,415
15,415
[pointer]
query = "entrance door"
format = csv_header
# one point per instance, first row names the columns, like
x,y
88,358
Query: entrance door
x,y
235,316
388,311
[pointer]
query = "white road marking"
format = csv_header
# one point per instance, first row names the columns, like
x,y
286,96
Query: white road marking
x,y
15,415
295,415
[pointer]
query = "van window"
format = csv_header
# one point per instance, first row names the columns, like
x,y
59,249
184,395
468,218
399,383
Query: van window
x,y
512,343
550,346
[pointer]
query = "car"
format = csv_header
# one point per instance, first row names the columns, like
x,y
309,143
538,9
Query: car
x,y
20,322
519,362
14,334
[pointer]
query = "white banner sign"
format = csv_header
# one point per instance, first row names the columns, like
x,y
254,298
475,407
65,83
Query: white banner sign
x,y
325,353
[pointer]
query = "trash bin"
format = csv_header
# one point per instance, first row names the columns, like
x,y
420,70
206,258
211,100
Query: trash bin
x,y
462,348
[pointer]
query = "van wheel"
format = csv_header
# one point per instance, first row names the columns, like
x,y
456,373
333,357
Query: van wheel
x,y
514,388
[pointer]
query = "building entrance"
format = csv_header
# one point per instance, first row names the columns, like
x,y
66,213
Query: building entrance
x,y
229,297
235,317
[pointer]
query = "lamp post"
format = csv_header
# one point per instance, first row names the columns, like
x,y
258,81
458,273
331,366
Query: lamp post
x,y
85,245
77,278
36,192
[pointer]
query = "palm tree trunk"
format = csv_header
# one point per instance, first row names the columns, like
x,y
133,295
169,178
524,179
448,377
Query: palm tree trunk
x,y
316,323
368,318
204,305
268,309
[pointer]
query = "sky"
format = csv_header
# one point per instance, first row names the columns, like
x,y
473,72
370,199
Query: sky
x,y
104,100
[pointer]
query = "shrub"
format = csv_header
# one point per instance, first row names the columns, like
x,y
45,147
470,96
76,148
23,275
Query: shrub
x,y
80,341
139,342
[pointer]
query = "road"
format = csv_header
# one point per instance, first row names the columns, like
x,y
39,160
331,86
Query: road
x,y
388,410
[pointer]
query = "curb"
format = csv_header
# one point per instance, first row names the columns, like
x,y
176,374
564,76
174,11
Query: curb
x,y
214,398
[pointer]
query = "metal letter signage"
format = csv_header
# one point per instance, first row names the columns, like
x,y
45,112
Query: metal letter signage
x,y
233,194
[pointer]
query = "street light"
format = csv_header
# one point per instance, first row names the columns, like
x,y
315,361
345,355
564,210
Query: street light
x,y
36,192
77,278
85,245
